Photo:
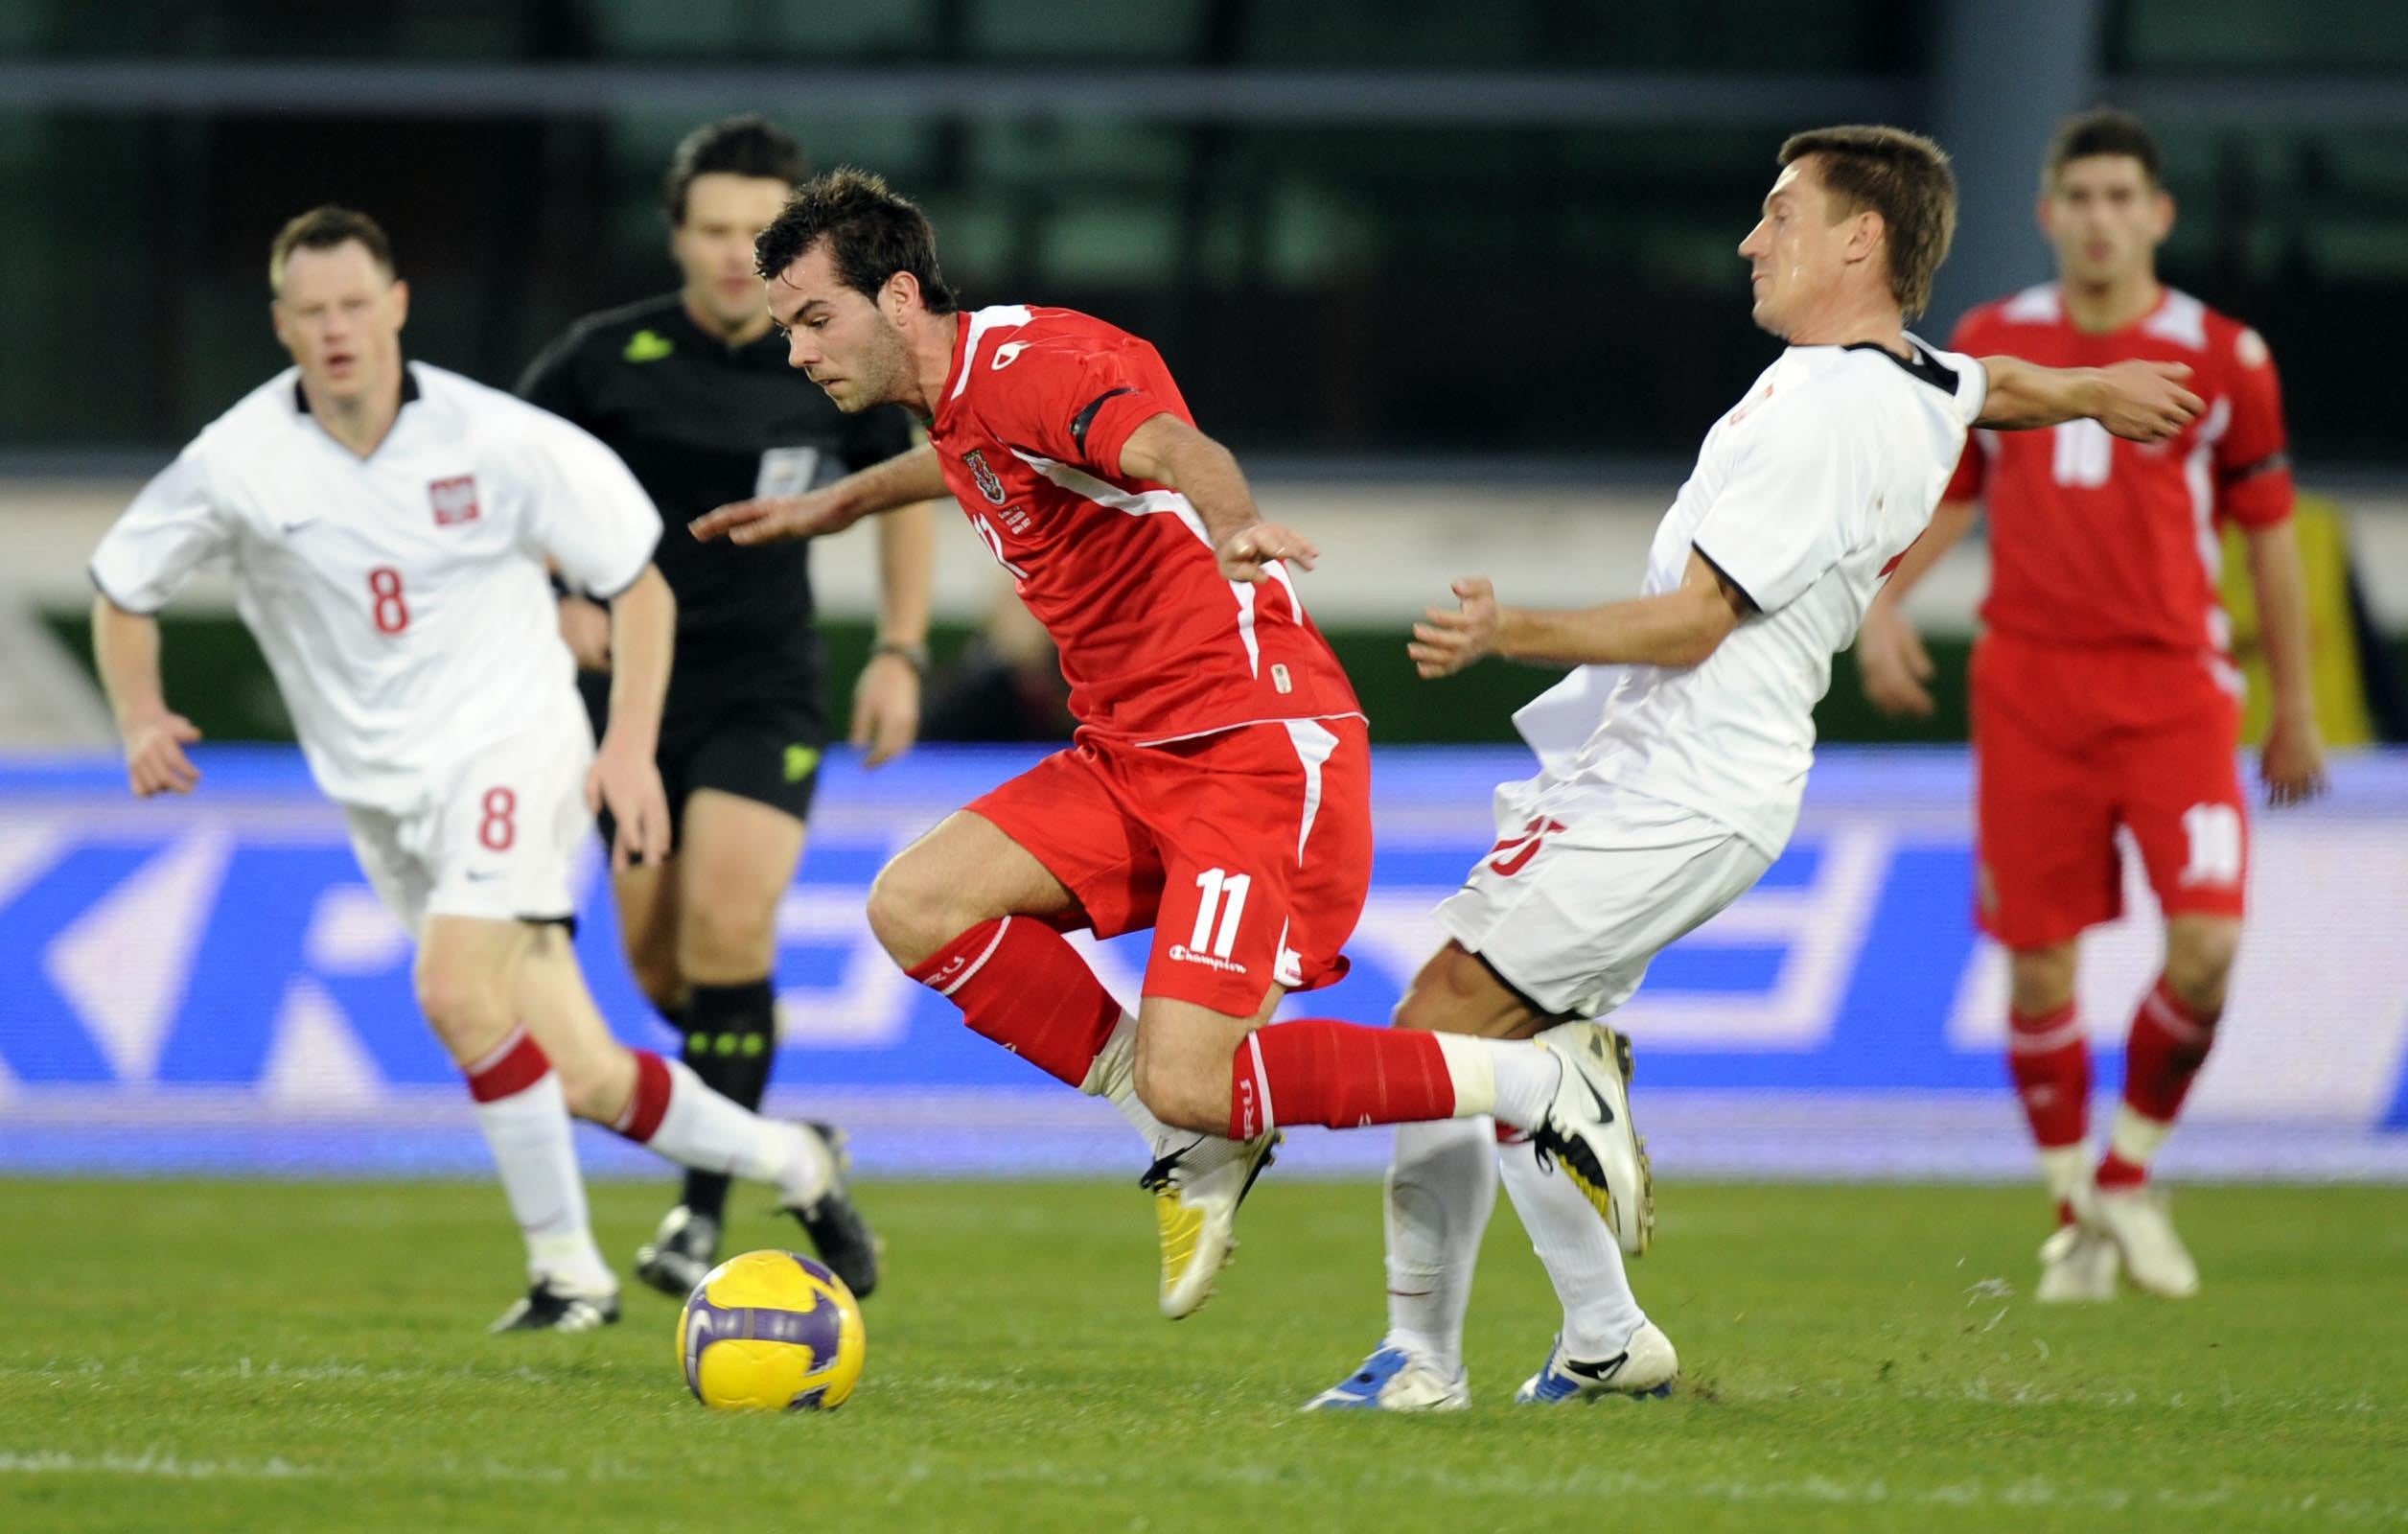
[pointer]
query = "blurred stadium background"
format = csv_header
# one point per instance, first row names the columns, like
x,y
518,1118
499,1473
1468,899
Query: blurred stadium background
x,y
1458,283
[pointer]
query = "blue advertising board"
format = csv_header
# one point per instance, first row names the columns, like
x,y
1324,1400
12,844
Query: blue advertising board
x,y
207,983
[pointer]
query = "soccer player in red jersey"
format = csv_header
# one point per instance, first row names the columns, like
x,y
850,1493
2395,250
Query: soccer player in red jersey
x,y
1218,791
2103,692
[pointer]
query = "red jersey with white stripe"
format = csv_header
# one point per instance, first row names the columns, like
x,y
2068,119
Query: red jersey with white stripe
x,y
2098,541
1155,643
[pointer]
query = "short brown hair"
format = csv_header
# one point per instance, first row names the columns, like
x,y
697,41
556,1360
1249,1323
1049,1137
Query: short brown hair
x,y
2104,131
871,234
748,146
1903,178
323,228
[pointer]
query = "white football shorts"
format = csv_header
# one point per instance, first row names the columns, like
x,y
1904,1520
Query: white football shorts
x,y
497,839
1588,884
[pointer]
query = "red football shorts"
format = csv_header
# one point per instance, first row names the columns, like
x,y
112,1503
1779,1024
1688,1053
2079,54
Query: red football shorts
x,y
1248,852
2073,743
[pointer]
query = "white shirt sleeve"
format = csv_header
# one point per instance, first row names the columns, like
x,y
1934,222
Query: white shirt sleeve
x,y
1783,516
589,516
171,529
1973,388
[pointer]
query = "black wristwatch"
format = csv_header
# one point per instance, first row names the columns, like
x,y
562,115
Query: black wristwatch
x,y
914,655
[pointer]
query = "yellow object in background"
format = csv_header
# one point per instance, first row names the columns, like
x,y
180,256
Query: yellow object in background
x,y
2334,673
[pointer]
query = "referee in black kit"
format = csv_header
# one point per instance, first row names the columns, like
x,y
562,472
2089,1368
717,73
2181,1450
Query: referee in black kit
x,y
693,391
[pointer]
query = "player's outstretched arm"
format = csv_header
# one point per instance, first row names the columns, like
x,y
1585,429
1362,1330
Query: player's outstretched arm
x,y
1169,452
2142,400
126,653
1675,628
902,481
2293,761
626,775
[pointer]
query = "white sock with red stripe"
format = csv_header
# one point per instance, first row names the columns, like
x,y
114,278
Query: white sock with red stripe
x,y
524,1117
672,1112
1441,1190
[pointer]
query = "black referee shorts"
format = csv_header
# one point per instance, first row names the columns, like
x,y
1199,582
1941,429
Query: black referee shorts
x,y
756,751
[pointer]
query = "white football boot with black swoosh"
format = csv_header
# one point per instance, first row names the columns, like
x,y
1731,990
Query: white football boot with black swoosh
x,y
547,1305
1646,1367
1197,1188
1587,1131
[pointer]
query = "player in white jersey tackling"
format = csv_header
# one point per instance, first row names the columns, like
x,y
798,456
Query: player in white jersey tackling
x,y
1673,759
387,525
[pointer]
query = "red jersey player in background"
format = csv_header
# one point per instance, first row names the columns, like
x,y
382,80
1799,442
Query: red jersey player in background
x,y
2103,694
1218,791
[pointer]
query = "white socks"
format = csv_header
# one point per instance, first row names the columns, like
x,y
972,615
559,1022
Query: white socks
x,y
2135,1138
1441,1188
1114,1077
2065,1169
1513,1080
711,1133
528,1133
1582,1257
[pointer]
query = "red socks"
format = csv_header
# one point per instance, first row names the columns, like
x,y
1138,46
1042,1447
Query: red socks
x,y
1020,984
2050,1062
2049,1059
1341,1074
2170,1043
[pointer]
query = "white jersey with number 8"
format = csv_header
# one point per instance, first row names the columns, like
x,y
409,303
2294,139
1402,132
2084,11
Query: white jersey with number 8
x,y
401,599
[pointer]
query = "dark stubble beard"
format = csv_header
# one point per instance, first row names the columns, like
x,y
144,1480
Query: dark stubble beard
x,y
889,373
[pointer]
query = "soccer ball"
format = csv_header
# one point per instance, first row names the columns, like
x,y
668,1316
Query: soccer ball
x,y
770,1331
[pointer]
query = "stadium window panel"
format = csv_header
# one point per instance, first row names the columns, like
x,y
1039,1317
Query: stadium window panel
x,y
1786,36
818,32
1109,242
1157,31
2174,37
1061,154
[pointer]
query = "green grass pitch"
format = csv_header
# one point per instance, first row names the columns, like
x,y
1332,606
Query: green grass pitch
x,y
223,1356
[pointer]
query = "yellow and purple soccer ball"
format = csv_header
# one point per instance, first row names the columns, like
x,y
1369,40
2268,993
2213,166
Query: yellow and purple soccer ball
x,y
771,1331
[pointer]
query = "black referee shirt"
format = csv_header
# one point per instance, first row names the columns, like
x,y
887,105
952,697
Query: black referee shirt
x,y
701,424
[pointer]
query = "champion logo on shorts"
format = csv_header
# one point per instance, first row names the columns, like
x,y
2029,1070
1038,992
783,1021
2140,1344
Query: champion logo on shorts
x,y
454,499
1181,953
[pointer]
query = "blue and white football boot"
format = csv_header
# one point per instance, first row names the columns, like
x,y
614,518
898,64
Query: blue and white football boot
x,y
1646,1367
1394,1379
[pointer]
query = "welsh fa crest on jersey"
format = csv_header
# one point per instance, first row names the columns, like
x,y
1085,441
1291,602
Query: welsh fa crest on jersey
x,y
454,499
989,484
